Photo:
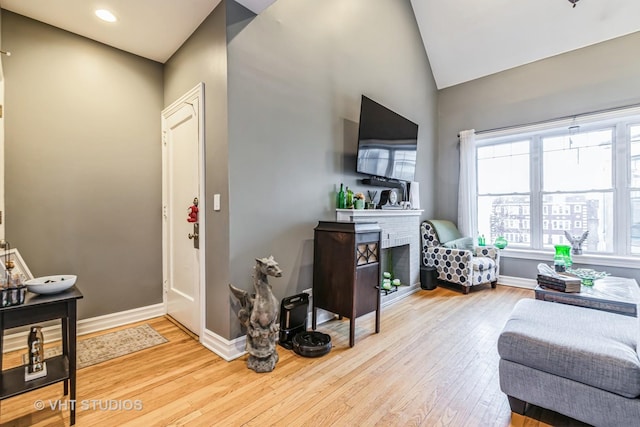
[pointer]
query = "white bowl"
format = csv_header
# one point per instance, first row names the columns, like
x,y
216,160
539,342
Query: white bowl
x,y
51,284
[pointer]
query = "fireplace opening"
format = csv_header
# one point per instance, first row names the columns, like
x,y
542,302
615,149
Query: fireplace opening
x,y
395,260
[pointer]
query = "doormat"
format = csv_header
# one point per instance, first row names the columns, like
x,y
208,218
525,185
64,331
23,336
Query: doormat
x,y
92,351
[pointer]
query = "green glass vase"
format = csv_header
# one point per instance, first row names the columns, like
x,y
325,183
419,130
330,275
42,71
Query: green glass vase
x,y
562,258
500,242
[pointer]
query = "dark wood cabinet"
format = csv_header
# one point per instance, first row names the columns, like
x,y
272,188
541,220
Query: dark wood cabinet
x,y
346,271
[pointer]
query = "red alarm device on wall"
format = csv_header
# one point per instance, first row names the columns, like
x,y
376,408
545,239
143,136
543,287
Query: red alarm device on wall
x,y
193,211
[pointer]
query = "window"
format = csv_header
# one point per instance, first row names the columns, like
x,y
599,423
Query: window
x,y
634,135
569,176
500,200
573,166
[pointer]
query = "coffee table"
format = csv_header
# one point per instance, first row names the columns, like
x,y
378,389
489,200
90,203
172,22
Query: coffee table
x,y
614,294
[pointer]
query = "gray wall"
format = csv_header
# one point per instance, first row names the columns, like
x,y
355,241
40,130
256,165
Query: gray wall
x,y
83,163
296,74
84,159
593,78
203,58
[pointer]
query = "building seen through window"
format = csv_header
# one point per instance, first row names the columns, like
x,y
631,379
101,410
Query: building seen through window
x,y
533,187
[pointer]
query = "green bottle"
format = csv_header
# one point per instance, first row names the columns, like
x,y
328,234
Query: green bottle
x,y
349,204
341,199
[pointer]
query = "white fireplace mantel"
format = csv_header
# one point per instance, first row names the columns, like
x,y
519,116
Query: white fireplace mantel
x,y
365,213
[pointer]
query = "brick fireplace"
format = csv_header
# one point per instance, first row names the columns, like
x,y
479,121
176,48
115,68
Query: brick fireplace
x,y
400,238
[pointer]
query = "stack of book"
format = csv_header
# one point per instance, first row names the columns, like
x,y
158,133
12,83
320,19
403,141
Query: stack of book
x,y
562,282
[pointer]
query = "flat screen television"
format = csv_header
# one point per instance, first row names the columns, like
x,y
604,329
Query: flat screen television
x,y
387,143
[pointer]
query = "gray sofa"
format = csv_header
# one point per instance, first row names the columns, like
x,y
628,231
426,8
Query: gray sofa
x,y
577,361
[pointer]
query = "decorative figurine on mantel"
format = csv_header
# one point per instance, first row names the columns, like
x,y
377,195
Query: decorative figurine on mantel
x,y
259,314
576,241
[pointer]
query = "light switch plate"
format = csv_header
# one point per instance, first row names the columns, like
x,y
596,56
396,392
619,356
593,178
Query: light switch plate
x,y
216,202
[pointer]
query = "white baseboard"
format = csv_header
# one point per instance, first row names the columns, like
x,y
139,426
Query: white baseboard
x,y
517,282
18,340
231,350
322,316
397,296
228,350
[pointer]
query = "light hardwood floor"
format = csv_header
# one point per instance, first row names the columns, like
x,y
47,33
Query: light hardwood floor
x,y
434,363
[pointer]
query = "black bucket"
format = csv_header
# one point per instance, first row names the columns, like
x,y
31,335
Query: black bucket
x,y
428,278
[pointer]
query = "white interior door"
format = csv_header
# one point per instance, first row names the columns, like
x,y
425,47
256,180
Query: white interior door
x,y
183,183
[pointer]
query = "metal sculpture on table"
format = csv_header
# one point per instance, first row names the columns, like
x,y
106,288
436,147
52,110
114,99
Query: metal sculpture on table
x,y
260,316
35,342
576,242
36,366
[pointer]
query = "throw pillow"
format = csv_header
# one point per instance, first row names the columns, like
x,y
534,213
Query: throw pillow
x,y
461,243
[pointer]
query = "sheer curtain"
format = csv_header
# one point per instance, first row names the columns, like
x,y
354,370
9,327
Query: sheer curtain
x,y
467,190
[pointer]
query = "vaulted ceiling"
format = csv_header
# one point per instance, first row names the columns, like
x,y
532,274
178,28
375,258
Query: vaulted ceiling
x,y
467,39
463,39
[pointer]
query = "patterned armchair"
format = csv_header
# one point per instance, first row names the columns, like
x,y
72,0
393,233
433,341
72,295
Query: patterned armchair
x,y
455,258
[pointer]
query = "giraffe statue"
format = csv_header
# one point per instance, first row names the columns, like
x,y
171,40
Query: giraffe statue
x,y
259,315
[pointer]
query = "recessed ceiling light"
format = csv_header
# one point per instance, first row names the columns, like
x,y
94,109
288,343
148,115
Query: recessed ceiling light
x,y
105,15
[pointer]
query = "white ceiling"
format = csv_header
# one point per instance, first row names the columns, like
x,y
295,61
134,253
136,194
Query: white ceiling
x,y
467,39
464,39
154,29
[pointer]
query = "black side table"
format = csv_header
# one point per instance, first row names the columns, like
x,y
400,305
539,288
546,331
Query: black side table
x,y
36,309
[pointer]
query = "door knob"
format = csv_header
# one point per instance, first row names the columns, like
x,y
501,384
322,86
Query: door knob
x,y
195,236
